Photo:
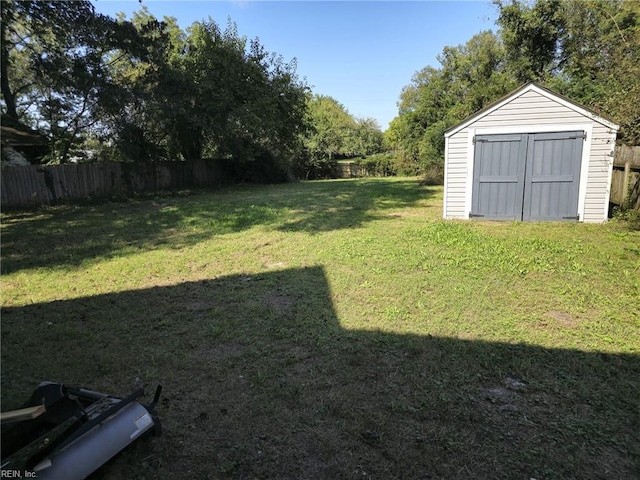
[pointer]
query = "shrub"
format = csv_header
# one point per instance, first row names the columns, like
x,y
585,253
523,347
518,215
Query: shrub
x,y
433,175
380,165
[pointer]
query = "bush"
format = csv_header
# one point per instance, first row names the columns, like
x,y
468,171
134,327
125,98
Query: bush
x,y
391,164
628,215
379,165
433,175
311,167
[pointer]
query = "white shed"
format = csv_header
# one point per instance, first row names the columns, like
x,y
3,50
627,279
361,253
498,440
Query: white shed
x,y
533,155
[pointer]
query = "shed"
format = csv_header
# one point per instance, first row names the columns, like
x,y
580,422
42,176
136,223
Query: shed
x,y
533,155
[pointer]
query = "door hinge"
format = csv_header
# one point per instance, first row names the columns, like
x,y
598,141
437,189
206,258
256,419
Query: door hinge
x,y
582,135
577,217
472,215
481,140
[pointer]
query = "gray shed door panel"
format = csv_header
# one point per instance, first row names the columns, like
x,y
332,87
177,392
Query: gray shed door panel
x,y
527,176
499,176
552,176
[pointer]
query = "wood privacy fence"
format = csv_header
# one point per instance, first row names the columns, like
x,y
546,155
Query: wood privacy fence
x,y
351,170
49,184
625,180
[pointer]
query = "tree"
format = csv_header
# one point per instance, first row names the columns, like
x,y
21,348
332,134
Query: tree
x,y
334,133
53,71
332,128
369,137
601,61
470,77
151,120
210,92
148,88
532,36
588,50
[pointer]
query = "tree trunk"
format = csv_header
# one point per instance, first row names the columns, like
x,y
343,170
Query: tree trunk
x,y
191,143
8,95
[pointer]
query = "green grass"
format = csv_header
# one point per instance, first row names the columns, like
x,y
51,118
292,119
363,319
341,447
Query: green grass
x,y
334,329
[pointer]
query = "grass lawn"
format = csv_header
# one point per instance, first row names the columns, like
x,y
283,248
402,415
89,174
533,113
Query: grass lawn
x,y
334,329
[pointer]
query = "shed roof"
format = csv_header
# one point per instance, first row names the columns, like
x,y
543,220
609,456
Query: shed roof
x,y
545,92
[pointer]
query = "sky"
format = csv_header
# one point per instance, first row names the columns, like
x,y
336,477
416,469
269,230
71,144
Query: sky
x,y
362,53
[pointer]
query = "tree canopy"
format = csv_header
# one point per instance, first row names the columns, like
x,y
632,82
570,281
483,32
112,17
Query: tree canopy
x,y
334,133
586,50
55,69
144,89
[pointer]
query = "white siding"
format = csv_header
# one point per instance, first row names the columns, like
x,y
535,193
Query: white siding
x,y
531,111
599,176
456,176
530,108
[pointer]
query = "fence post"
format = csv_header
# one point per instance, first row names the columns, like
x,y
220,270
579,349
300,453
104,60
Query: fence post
x,y
625,182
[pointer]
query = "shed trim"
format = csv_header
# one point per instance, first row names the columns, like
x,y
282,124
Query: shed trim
x,y
523,129
609,175
532,87
446,176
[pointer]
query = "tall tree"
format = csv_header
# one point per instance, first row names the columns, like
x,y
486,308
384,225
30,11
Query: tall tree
x,y
368,137
151,120
335,133
588,50
532,35
600,58
8,41
470,77
332,128
53,67
210,92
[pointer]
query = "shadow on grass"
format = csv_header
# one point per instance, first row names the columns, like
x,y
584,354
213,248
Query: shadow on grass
x,y
350,204
261,381
69,235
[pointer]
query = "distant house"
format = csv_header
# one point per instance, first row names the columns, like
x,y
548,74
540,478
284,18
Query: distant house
x,y
20,144
533,155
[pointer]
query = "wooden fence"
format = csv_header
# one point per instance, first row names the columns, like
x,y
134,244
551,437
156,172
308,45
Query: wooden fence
x,y
351,170
625,180
49,184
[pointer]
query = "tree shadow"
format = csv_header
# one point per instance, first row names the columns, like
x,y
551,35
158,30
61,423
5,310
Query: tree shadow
x,y
70,235
353,204
261,381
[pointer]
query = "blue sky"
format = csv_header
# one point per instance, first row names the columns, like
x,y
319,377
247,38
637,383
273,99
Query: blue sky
x,y
359,52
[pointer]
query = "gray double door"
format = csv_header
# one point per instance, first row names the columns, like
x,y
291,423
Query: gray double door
x,y
531,176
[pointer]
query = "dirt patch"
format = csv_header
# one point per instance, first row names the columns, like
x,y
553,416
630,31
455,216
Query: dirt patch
x,y
281,304
219,352
562,319
274,265
505,397
197,306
